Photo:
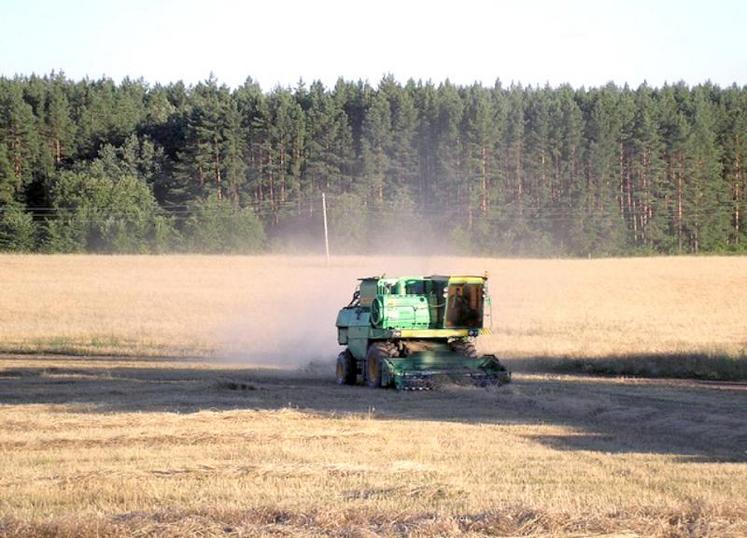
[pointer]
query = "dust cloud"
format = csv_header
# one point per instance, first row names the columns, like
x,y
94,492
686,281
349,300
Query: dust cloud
x,y
286,325
357,231
287,319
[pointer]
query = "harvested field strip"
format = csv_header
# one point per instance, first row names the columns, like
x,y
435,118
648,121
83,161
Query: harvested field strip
x,y
270,520
300,455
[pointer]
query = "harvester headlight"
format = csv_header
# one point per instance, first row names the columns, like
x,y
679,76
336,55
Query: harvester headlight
x,y
396,334
473,332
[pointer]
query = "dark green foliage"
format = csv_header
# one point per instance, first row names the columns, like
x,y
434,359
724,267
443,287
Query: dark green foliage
x,y
348,226
98,166
98,213
220,226
329,158
9,181
17,229
19,134
211,160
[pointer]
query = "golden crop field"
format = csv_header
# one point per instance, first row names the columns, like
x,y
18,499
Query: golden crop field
x,y
281,308
133,402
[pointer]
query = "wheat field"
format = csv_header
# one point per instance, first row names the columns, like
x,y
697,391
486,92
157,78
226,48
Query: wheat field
x,y
173,396
279,305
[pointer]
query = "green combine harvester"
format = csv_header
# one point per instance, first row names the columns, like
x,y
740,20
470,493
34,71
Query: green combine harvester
x,y
412,333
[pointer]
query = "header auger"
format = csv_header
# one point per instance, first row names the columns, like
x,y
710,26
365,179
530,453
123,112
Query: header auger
x,y
412,333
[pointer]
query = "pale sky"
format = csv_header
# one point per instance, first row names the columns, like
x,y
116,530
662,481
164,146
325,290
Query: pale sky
x,y
584,43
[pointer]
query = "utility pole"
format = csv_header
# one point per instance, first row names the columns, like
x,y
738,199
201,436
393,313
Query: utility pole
x,y
326,233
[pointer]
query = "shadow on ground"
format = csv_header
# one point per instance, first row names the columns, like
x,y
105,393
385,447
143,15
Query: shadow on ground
x,y
696,421
704,366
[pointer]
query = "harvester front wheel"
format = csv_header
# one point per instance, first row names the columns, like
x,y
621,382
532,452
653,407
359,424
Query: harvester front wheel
x,y
376,353
465,348
346,369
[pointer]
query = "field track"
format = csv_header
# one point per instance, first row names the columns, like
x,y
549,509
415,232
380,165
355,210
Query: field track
x,y
169,446
702,419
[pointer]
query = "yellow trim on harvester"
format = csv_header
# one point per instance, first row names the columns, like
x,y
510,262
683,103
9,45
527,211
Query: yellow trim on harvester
x,y
466,279
438,333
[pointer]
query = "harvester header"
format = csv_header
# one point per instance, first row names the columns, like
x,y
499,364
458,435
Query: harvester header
x,y
411,331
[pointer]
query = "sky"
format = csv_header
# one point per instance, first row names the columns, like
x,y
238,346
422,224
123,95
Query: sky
x,y
580,42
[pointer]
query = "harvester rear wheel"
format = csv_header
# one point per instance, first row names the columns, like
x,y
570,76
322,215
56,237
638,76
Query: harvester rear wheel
x,y
465,348
376,352
346,369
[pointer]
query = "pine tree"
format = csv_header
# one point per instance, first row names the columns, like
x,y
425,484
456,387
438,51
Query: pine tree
x,y
424,96
375,143
329,149
538,164
608,190
18,132
648,170
211,161
287,138
734,161
675,130
255,120
480,145
706,201
513,149
402,154
59,128
567,135
450,177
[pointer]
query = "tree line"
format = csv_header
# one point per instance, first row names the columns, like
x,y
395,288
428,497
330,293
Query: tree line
x,y
99,166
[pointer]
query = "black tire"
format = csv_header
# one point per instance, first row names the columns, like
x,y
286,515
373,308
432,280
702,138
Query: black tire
x,y
346,370
465,348
376,352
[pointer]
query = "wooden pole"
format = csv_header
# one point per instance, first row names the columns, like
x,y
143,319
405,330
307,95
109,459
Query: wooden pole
x,y
326,233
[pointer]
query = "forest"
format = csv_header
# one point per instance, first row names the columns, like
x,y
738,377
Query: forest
x,y
133,167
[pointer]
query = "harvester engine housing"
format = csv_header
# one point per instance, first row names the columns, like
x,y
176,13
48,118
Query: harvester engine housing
x,y
411,333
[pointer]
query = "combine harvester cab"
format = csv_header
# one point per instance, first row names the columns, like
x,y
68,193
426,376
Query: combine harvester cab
x,y
412,333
